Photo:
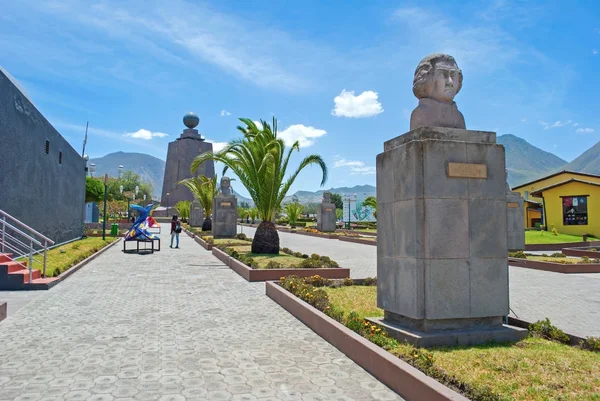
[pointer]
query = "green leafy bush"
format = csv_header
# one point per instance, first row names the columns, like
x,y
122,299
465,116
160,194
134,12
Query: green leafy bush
x,y
273,265
545,329
348,281
558,255
242,236
370,281
517,254
593,343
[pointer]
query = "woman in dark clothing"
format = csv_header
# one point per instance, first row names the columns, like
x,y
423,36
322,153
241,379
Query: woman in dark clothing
x,y
175,230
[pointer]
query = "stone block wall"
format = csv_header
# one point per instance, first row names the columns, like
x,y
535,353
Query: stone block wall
x,y
42,178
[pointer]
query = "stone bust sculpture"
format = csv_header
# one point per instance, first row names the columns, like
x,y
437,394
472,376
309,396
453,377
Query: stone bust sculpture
x,y
326,197
225,186
437,80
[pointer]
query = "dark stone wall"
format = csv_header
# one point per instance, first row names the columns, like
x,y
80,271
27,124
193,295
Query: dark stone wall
x,y
180,156
34,187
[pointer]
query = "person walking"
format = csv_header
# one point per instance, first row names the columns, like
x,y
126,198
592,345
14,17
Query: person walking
x,y
175,230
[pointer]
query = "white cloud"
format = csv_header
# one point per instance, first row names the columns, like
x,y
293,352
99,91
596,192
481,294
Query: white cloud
x,y
225,113
363,105
584,130
145,134
356,167
305,136
258,124
217,146
556,124
594,51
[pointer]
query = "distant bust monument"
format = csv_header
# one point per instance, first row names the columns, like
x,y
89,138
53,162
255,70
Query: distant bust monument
x,y
225,186
326,214
437,80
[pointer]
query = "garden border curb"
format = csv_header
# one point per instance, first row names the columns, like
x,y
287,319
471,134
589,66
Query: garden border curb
x,y
253,275
580,252
556,247
406,380
555,267
357,240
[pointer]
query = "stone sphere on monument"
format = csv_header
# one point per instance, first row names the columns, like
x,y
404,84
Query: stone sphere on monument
x,y
436,82
191,120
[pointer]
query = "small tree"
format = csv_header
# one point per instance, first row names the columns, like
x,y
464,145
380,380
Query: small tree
x,y
293,211
371,201
242,213
204,189
94,190
337,200
183,208
253,212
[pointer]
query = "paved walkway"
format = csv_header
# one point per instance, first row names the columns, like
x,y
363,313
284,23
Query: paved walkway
x,y
176,325
570,301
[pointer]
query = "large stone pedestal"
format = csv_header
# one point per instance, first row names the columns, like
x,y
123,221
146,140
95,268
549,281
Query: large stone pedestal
x,y
196,214
224,222
326,217
442,267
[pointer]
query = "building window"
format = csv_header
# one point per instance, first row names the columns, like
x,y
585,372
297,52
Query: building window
x,y
47,146
59,157
575,211
526,195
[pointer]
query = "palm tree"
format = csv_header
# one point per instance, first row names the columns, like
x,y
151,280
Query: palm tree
x,y
204,189
253,212
242,212
260,161
371,202
293,211
183,207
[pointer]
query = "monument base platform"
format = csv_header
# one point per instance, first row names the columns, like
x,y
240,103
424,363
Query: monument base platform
x,y
500,334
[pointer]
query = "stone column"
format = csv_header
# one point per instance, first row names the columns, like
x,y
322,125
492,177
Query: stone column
x,y
326,217
196,214
224,223
442,268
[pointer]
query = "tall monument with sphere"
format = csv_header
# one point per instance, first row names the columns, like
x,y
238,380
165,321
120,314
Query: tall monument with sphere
x,y
180,155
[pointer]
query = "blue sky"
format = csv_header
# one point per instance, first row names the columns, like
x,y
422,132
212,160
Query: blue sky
x,y
336,74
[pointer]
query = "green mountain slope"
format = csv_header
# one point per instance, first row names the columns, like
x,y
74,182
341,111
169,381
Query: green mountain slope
x,y
151,169
526,162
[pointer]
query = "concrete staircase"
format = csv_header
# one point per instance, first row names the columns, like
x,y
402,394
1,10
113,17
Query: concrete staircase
x,y
15,275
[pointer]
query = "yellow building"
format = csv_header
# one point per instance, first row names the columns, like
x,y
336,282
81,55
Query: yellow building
x,y
566,200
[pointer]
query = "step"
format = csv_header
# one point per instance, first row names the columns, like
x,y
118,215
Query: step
x,y
35,274
5,257
46,280
14,266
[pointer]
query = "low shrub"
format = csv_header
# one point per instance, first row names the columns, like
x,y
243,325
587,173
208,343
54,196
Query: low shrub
x,y
558,255
517,254
593,343
318,281
304,256
348,281
287,250
242,237
545,329
273,265
370,281
585,259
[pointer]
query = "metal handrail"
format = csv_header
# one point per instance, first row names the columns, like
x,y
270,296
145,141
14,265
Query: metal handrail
x,y
31,238
42,236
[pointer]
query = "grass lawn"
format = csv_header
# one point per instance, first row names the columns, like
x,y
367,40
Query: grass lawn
x,y
546,237
75,252
533,369
566,261
366,230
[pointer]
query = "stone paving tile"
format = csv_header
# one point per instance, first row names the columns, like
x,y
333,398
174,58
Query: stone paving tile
x,y
176,325
570,301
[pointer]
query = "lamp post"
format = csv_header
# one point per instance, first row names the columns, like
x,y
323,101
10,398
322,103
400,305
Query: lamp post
x,y
121,191
92,169
105,199
167,204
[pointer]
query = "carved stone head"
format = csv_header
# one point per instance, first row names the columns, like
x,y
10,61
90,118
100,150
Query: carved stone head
x,y
225,186
326,197
437,77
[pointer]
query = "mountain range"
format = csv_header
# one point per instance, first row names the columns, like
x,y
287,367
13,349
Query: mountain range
x,y
524,163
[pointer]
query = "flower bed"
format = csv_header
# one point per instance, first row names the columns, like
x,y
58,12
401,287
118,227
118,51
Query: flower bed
x,y
556,262
535,368
236,253
589,251
203,238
